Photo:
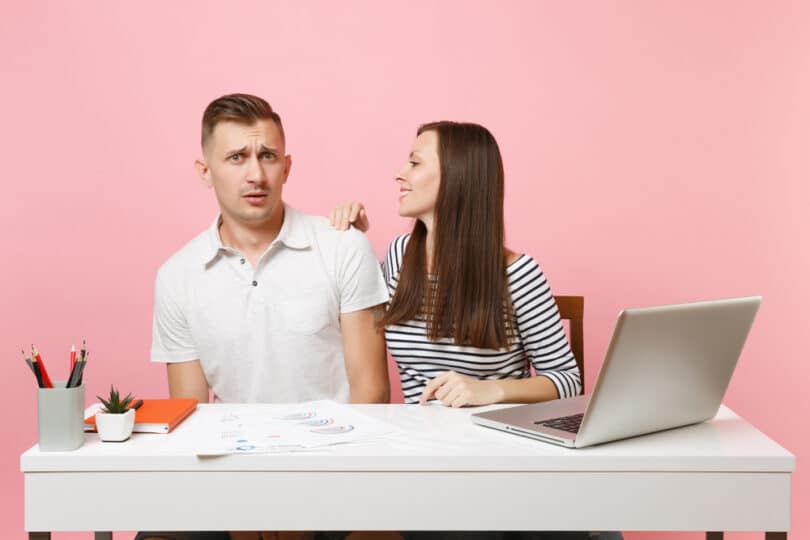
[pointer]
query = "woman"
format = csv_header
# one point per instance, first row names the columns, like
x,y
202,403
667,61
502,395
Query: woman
x,y
468,318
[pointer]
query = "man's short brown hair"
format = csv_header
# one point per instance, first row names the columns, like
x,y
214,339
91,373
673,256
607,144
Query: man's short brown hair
x,y
240,108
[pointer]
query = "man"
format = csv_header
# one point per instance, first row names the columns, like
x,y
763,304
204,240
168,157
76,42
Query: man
x,y
268,304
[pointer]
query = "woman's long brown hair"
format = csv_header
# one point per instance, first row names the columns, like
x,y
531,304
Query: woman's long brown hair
x,y
465,297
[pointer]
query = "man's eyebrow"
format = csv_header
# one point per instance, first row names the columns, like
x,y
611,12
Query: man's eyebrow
x,y
264,148
414,153
237,151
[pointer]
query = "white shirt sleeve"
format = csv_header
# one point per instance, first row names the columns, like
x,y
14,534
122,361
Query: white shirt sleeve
x,y
171,336
359,277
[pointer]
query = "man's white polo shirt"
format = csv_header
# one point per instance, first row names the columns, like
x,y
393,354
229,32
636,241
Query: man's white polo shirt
x,y
270,333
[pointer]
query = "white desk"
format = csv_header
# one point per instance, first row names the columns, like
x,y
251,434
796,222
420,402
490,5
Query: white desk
x,y
440,473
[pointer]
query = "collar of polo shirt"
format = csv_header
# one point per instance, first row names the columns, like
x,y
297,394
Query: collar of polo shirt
x,y
291,234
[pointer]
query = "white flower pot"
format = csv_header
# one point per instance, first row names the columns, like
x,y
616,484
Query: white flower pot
x,y
115,427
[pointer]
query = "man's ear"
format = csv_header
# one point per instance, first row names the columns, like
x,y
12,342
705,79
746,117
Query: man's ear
x,y
203,171
287,167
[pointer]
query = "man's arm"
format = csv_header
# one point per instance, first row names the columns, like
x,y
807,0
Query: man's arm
x,y
364,354
173,343
187,380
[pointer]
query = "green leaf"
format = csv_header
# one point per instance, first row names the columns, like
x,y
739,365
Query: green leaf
x,y
114,404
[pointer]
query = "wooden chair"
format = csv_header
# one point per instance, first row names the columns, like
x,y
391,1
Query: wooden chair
x,y
572,309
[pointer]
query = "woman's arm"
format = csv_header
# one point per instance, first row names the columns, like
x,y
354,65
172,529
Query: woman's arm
x,y
456,390
541,332
544,342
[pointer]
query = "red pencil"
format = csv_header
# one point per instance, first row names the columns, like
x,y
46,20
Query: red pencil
x,y
72,357
38,360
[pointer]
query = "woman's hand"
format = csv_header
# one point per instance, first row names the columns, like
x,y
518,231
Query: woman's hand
x,y
350,213
455,390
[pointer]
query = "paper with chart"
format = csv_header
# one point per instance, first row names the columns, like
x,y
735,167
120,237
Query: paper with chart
x,y
246,429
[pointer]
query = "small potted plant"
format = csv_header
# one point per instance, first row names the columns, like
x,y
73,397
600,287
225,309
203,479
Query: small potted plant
x,y
115,421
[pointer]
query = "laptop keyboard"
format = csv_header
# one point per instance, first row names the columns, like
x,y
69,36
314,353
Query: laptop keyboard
x,y
565,423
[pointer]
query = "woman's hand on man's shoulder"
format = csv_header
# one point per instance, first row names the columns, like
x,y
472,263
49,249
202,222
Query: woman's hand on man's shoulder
x,y
349,213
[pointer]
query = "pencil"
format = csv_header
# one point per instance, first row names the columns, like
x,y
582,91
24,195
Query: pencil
x,y
81,365
29,362
37,373
71,382
75,374
72,357
46,380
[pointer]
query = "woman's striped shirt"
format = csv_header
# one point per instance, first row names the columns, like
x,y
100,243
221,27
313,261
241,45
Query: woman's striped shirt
x,y
540,341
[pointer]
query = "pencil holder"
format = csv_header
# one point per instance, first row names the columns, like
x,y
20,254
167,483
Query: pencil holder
x,y
60,412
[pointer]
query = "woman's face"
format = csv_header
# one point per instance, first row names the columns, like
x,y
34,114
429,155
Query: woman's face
x,y
419,179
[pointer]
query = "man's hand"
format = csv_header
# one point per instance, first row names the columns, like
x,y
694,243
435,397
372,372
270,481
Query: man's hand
x,y
455,390
187,380
364,355
350,213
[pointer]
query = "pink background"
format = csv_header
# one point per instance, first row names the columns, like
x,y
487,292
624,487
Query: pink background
x,y
655,152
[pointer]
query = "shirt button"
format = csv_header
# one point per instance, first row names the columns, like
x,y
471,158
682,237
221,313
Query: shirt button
x,y
242,260
255,283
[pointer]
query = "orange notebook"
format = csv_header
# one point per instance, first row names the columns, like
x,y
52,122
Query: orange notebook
x,y
156,415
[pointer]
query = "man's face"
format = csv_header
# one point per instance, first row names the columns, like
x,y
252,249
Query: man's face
x,y
247,167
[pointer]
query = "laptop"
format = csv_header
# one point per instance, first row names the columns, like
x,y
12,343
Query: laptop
x,y
666,367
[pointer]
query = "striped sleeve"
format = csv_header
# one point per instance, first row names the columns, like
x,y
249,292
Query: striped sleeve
x,y
393,261
540,328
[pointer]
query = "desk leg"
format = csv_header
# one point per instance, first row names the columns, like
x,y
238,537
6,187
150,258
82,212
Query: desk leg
x,y
39,536
103,535
768,536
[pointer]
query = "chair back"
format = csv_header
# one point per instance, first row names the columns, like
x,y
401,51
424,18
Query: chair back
x,y
572,309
